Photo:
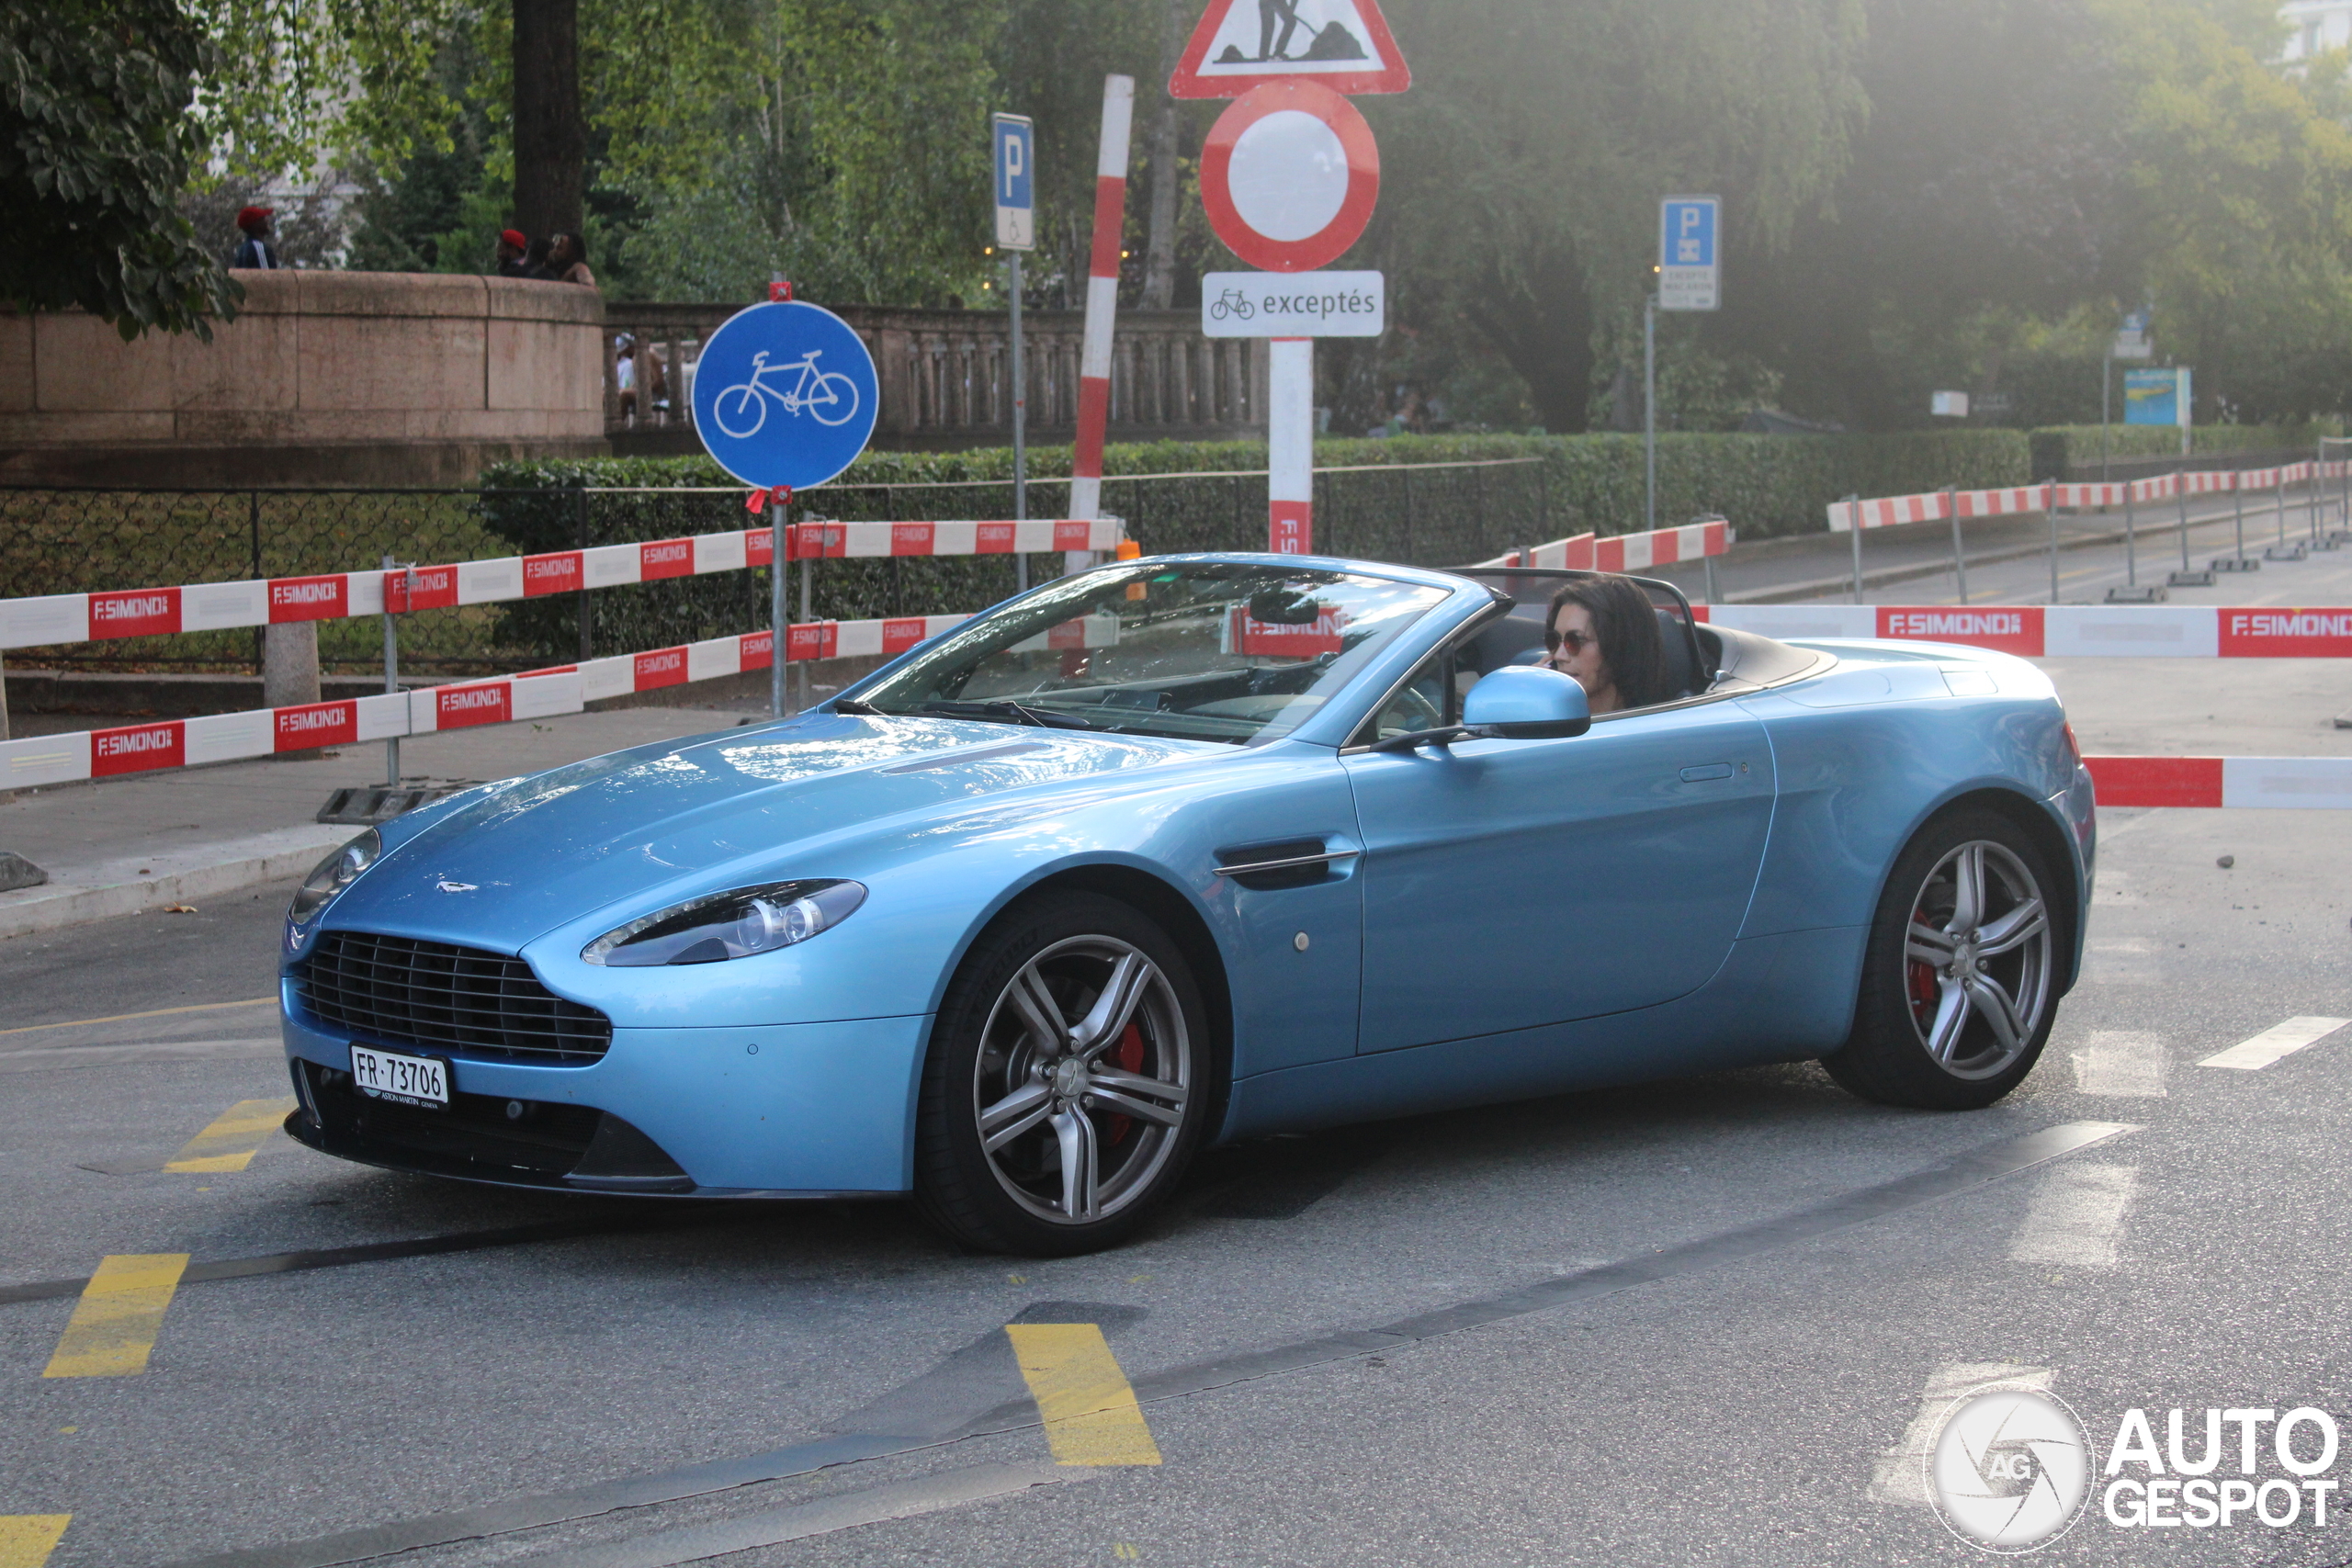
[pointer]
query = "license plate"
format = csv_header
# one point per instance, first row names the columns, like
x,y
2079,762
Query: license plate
x,y
409,1080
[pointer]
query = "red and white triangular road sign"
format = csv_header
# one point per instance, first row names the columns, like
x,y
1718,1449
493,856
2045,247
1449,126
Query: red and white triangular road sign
x,y
1340,44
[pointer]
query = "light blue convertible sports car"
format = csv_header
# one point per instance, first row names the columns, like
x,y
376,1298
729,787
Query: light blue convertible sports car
x,y
1191,848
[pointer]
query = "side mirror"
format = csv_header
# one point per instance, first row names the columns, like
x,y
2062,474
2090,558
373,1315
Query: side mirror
x,y
1519,702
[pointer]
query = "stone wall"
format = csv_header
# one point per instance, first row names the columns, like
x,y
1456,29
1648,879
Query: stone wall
x,y
323,377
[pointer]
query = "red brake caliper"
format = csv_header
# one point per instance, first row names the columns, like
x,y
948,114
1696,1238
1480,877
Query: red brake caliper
x,y
1923,982
1128,1055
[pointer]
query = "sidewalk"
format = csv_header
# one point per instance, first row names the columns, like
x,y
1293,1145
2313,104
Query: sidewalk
x,y
1820,566
122,846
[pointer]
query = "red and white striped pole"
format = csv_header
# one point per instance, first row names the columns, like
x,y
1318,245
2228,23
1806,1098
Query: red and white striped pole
x,y
1290,445
1102,307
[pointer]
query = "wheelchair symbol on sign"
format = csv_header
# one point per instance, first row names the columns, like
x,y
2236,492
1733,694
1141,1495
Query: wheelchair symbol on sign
x,y
829,397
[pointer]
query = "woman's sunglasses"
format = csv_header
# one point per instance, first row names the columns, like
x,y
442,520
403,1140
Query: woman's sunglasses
x,y
1574,642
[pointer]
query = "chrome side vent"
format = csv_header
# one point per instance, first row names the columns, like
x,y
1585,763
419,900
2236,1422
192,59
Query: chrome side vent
x,y
1282,862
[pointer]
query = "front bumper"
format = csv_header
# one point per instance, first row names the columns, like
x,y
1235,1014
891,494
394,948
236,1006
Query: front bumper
x,y
784,1109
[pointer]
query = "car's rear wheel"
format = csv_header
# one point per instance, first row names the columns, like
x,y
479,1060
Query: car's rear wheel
x,y
1069,1083
1960,985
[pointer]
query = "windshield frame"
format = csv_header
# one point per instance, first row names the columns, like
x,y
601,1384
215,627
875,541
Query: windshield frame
x,y
1335,715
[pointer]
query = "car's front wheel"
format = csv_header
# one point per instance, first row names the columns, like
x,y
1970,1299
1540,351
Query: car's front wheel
x,y
1960,985
1069,1083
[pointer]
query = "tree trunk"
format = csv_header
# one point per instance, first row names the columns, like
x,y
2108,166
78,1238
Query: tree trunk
x,y
550,141
1543,327
1159,251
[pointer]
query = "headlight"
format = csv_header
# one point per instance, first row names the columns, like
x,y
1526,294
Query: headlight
x,y
334,874
729,925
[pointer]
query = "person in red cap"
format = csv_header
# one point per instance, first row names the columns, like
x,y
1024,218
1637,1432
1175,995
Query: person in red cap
x,y
256,251
511,247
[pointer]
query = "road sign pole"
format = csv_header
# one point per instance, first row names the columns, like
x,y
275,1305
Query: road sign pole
x,y
779,630
1958,555
1020,428
1649,412
1854,526
2105,380
1290,445
1102,307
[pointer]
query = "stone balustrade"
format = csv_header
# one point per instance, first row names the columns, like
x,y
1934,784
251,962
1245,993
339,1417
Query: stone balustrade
x,y
946,376
322,378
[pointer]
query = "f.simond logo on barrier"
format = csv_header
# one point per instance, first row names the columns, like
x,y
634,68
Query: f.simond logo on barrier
x,y
2009,1470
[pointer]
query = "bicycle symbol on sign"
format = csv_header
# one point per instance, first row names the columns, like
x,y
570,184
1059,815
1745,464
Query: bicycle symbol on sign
x,y
1232,302
829,397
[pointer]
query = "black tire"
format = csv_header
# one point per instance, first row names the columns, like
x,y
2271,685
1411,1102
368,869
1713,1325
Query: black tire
x,y
1069,1092
1955,1004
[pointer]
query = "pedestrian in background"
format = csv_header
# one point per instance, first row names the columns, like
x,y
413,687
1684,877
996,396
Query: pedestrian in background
x,y
255,252
567,260
512,248
624,375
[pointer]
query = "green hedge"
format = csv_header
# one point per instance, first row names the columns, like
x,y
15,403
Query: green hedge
x,y
2062,449
1491,494
1765,484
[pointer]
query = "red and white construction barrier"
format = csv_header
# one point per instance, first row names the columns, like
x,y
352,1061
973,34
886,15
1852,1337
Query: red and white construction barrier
x,y
1623,552
218,606
505,699
1102,298
2276,782
2067,631
1936,505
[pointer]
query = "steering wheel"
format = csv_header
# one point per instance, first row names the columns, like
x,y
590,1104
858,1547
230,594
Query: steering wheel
x,y
1416,710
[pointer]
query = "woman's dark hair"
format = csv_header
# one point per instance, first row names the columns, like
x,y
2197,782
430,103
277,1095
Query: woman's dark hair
x,y
572,242
1626,623
535,257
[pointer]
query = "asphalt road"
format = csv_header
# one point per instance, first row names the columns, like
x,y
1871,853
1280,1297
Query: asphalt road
x,y
1696,1322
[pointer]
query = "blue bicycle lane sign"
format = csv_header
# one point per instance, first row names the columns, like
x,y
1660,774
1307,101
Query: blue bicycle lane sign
x,y
785,394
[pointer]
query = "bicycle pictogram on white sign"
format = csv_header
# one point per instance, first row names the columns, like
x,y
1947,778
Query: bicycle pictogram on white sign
x,y
829,398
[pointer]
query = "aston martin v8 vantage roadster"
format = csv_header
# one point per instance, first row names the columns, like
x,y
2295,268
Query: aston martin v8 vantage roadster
x,y
1191,848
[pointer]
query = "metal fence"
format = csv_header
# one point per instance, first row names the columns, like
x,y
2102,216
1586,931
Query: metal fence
x,y
72,541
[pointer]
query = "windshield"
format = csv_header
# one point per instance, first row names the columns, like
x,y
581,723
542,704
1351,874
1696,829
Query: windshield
x,y
1210,650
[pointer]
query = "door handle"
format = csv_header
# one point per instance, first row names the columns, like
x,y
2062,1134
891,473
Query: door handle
x,y
1705,772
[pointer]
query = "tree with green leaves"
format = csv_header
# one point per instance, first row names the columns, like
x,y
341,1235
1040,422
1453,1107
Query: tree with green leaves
x,y
96,144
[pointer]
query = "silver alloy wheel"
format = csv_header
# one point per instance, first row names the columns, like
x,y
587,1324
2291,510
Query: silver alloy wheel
x,y
1977,960
1083,1079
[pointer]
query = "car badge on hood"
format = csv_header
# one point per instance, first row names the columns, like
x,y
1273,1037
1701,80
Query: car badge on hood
x,y
448,886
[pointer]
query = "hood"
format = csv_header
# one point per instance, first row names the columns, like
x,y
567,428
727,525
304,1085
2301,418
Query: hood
x,y
541,850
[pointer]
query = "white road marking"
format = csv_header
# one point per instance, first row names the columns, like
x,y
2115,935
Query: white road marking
x,y
847,1510
2280,1039
2125,961
2077,1217
2123,1062
1899,1476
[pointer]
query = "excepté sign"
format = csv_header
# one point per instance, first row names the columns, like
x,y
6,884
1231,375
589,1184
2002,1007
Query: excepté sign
x,y
785,394
1289,174
1293,304
1343,45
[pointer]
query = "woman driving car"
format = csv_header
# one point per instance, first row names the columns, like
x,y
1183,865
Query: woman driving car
x,y
1603,631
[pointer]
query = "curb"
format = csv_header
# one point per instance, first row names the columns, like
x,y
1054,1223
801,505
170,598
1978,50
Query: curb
x,y
79,896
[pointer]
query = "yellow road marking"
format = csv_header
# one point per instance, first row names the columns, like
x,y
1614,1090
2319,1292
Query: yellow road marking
x,y
121,1313
127,1017
26,1539
234,1137
1090,1413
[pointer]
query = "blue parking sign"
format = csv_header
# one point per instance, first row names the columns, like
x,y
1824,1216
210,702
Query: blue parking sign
x,y
1688,274
1014,143
785,394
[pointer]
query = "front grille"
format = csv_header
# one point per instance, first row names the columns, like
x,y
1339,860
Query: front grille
x,y
438,997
